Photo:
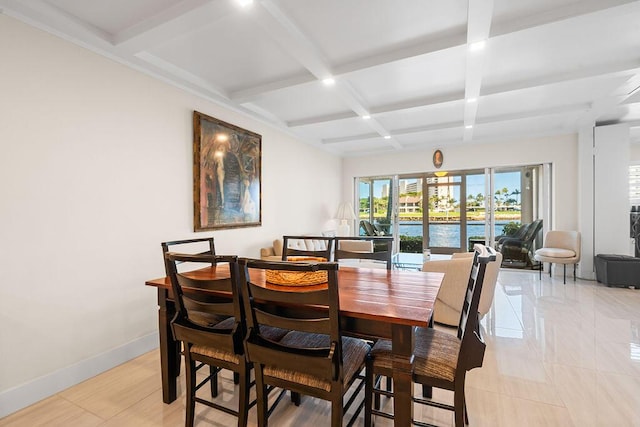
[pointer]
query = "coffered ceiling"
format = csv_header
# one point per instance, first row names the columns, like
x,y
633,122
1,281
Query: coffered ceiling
x,y
407,74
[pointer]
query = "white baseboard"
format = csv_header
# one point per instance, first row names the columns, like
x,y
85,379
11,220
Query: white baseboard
x,y
40,388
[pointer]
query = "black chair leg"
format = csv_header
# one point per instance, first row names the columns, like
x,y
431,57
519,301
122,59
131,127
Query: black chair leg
x,y
549,269
540,270
295,398
564,274
574,272
214,381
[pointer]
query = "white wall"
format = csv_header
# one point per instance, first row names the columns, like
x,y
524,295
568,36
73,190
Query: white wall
x,y
611,190
634,153
95,172
560,151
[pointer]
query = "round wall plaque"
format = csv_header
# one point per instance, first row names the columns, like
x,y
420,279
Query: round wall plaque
x,y
438,158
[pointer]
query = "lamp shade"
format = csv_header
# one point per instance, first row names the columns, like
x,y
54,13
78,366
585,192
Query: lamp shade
x,y
345,211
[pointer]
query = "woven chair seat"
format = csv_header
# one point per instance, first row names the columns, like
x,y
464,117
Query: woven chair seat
x,y
436,354
354,352
215,353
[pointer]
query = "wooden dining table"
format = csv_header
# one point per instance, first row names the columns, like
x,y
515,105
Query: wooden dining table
x,y
374,303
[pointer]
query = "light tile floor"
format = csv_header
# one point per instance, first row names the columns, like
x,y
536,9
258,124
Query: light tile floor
x,y
557,355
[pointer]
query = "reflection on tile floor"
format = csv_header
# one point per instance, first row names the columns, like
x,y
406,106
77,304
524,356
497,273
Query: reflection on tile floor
x,y
557,355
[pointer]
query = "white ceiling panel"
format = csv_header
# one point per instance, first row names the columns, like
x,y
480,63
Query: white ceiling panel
x,y
112,16
349,30
430,115
548,66
434,74
335,128
303,101
231,51
588,41
570,95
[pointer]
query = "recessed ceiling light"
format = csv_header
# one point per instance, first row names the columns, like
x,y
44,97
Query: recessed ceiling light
x,y
366,117
471,100
387,137
468,127
477,46
245,3
329,81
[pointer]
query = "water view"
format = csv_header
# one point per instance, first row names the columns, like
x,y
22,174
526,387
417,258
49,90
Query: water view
x,y
447,234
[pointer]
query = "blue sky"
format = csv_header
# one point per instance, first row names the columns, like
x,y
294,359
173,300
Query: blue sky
x,y
475,183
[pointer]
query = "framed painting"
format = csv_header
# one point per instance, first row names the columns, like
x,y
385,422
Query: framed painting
x,y
227,170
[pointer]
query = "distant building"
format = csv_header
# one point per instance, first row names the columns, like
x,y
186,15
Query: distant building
x,y
410,204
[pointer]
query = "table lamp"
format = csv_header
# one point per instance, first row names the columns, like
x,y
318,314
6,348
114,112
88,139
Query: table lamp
x,y
344,214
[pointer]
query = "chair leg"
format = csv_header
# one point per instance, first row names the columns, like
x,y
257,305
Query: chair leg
x,y
214,381
459,404
574,272
236,378
466,414
564,274
540,270
336,412
261,398
427,391
243,398
549,269
296,398
190,374
368,392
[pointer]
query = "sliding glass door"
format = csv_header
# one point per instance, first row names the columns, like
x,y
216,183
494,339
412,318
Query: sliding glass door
x,y
451,212
376,206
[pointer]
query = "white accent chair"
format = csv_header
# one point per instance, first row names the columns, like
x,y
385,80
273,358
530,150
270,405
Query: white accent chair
x,y
560,247
451,296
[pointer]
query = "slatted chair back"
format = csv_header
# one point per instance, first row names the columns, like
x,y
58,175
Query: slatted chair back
x,y
198,312
209,323
382,249
472,345
310,246
317,311
313,358
201,246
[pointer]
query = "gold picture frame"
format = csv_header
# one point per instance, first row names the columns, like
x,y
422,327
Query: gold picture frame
x,y
227,175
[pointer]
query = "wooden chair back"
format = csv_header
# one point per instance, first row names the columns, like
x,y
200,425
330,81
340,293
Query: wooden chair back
x,y
313,310
326,252
197,312
202,246
472,345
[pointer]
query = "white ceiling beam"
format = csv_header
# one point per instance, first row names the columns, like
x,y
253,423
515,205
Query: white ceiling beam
x,y
453,40
255,92
478,26
165,67
423,47
50,18
322,119
561,13
175,21
287,35
627,68
563,109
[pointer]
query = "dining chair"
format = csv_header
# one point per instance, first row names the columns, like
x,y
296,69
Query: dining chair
x,y
307,246
441,360
201,246
374,248
560,247
200,302
314,359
